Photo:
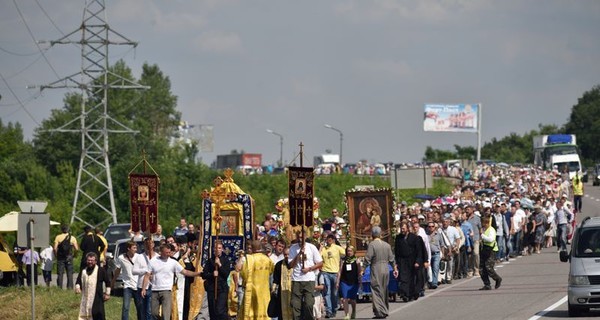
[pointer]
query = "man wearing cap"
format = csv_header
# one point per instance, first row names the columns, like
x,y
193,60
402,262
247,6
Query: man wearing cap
x,y
454,239
379,256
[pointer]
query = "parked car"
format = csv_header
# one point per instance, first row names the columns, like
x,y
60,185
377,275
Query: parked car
x,y
120,248
115,232
596,175
584,273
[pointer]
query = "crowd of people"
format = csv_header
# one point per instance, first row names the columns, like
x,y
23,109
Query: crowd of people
x,y
497,214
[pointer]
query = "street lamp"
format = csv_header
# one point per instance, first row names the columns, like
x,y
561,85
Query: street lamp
x,y
280,164
328,126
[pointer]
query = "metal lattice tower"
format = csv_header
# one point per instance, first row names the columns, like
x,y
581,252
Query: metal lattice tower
x,y
94,191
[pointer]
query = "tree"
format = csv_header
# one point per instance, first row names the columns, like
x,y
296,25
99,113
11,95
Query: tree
x,y
584,122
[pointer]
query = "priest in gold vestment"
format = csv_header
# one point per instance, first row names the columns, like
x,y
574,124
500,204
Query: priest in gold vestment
x,y
255,270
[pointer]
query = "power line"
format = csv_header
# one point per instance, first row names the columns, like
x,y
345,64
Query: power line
x,y
34,40
17,98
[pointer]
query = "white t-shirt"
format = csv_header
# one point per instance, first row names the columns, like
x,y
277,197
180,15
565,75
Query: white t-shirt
x,y
517,219
47,257
126,266
141,266
276,258
312,257
162,273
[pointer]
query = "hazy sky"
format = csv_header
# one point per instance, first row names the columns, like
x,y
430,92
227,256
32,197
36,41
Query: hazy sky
x,y
365,67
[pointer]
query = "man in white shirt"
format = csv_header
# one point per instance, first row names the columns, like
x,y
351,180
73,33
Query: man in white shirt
x,y
519,219
303,260
141,267
162,270
125,263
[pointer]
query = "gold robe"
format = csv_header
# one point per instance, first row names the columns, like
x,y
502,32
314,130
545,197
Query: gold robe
x,y
256,270
286,293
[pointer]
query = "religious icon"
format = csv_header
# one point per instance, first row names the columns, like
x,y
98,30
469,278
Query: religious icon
x,y
143,192
300,187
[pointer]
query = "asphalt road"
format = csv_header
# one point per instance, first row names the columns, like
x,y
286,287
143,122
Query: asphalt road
x,y
533,287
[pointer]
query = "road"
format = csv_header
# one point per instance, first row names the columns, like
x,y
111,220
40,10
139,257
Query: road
x,y
533,287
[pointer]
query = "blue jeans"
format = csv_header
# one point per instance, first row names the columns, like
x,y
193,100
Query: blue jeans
x,y
331,298
501,247
435,268
145,303
129,293
509,246
561,236
61,266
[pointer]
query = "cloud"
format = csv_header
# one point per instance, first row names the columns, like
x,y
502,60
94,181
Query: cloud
x,y
385,67
219,42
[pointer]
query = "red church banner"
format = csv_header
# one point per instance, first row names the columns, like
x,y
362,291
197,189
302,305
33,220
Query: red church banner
x,y
300,186
143,189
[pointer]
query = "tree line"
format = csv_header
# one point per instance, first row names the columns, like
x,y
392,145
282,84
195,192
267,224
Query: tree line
x,y
45,168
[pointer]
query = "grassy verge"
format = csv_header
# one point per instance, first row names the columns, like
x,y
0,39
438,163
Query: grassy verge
x,y
51,304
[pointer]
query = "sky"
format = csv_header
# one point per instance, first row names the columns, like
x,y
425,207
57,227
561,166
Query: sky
x,y
366,68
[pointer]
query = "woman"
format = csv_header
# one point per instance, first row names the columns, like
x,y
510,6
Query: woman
x,y
539,220
349,279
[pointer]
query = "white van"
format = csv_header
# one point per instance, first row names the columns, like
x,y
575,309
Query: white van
x,y
584,271
570,161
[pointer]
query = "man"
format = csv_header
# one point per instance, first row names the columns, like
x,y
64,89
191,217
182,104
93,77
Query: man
x,y
141,267
379,256
104,247
562,217
181,229
339,221
303,260
162,270
467,249
577,186
94,287
124,264
488,255
436,244
64,256
282,286
501,231
423,245
278,255
519,220
332,255
453,248
256,268
475,222
90,243
409,259
215,273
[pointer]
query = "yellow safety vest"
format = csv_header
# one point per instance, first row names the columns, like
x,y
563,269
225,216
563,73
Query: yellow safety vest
x,y
490,232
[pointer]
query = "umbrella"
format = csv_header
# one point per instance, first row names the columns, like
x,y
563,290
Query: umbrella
x,y
489,192
10,222
424,196
444,200
467,188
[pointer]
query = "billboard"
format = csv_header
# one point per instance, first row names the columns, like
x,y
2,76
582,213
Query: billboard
x,y
451,117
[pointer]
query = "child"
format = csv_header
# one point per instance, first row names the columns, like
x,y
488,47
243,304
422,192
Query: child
x,y
375,218
319,289
47,256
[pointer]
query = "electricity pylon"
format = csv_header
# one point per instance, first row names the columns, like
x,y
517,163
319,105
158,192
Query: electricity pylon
x,y
94,191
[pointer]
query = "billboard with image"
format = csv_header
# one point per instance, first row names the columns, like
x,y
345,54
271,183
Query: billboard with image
x,y
451,117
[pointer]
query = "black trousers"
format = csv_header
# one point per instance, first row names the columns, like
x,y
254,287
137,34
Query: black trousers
x,y
217,309
486,265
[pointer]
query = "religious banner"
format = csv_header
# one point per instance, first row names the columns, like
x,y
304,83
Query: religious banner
x,y
300,186
143,190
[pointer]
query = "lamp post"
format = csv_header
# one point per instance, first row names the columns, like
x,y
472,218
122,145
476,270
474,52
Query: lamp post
x,y
328,126
280,163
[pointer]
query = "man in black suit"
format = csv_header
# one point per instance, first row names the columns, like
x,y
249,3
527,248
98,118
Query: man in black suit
x,y
409,258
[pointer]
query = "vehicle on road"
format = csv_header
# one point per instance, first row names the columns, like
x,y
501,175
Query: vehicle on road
x,y
584,272
115,232
596,175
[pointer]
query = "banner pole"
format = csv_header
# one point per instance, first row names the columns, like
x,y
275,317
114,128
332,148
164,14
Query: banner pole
x,y
479,111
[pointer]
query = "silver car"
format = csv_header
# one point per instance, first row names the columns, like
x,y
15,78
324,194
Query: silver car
x,y
584,272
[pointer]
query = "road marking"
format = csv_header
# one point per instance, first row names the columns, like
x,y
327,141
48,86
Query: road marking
x,y
550,308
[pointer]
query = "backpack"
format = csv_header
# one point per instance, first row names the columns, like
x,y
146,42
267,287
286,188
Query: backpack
x,y
64,248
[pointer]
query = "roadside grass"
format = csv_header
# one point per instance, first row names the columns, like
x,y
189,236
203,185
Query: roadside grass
x,y
51,303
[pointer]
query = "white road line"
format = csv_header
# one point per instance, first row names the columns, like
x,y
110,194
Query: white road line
x,y
550,308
